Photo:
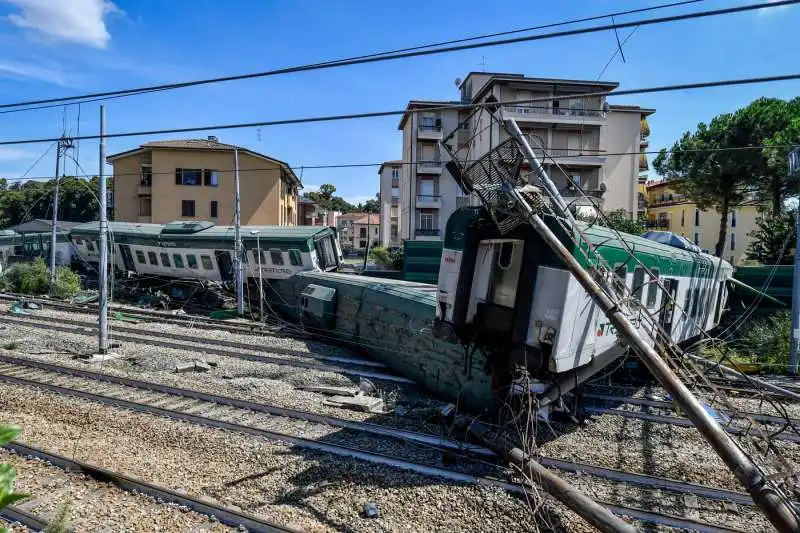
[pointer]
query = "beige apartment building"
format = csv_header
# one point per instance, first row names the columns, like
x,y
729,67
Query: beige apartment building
x,y
595,144
162,181
356,230
390,173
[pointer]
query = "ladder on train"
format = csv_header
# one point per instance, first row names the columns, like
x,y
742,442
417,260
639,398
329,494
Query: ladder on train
x,y
511,200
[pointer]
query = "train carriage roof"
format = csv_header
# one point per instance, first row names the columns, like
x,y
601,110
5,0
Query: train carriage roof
x,y
205,232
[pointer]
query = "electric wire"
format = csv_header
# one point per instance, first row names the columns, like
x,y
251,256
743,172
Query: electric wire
x,y
415,53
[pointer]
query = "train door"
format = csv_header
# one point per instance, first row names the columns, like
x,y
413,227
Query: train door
x,y
667,311
225,265
127,257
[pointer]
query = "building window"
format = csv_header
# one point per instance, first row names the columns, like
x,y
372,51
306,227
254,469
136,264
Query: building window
x,y
731,261
165,260
295,258
426,221
146,179
395,192
362,232
188,176
178,260
733,218
393,211
733,242
140,257
145,207
276,256
362,244
153,258
210,178
697,239
192,261
187,208
213,210
696,217
683,217
395,172
207,264
90,246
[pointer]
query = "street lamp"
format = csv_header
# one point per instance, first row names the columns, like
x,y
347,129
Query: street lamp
x,y
260,278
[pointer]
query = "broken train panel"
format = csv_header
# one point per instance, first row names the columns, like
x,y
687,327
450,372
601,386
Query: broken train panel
x,y
510,298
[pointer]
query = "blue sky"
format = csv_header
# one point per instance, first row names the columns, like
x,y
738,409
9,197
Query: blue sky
x,y
50,48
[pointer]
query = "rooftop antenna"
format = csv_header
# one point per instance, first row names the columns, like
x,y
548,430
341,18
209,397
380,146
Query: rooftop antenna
x,y
483,63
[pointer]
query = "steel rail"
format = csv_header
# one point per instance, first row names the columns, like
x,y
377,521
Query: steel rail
x,y
88,330
366,427
339,450
13,514
663,404
128,483
677,421
215,342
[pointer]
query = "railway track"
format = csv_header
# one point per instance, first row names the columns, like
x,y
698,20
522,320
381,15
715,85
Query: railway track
x,y
224,514
356,368
52,377
12,514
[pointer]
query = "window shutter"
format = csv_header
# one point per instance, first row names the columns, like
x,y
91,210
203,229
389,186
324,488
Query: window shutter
x,y
206,177
178,177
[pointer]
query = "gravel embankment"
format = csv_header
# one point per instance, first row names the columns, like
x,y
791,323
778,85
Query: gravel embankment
x,y
97,506
314,491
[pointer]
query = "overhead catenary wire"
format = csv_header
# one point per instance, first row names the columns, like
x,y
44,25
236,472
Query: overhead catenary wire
x,y
377,114
414,53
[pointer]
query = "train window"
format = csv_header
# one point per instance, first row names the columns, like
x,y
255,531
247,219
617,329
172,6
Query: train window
x,y
165,260
701,312
262,257
276,256
295,258
178,259
506,255
191,260
89,245
695,302
620,278
638,281
153,258
207,264
652,288
687,302
140,257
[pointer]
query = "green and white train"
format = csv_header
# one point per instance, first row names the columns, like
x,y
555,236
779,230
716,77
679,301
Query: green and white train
x,y
203,250
511,297
17,247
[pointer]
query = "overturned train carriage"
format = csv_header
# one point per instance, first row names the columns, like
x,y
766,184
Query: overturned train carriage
x,y
508,297
21,247
203,250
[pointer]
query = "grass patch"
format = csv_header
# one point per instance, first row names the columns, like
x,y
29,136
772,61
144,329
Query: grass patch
x,y
12,345
765,342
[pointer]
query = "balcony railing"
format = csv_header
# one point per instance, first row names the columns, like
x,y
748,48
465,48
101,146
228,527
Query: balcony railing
x,y
572,192
395,200
673,200
428,199
429,164
462,201
659,224
558,111
395,183
144,188
425,128
420,232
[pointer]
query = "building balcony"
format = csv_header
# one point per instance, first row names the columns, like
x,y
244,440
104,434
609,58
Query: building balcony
x,y
144,189
546,114
428,201
429,167
395,183
660,224
395,200
572,157
463,201
431,133
419,232
665,202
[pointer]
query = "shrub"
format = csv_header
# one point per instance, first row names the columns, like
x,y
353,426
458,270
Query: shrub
x,y
390,258
764,341
34,278
7,473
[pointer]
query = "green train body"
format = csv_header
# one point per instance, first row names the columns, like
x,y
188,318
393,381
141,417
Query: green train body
x,y
20,247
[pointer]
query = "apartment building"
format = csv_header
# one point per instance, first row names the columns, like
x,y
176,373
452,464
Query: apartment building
x,y
309,213
577,131
390,173
162,181
668,210
356,230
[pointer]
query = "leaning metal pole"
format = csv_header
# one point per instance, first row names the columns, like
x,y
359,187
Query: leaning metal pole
x,y
777,509
102,283
237,244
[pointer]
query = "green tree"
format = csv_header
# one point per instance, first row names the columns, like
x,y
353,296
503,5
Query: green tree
x,y
370,206
774,239
326,200
708,171
619,220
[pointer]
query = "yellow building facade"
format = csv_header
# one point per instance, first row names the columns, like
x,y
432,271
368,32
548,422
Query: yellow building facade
x,y
668,210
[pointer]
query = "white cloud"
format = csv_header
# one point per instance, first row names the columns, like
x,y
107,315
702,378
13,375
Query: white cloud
x,y
770,10
9,153
16,69
77,21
